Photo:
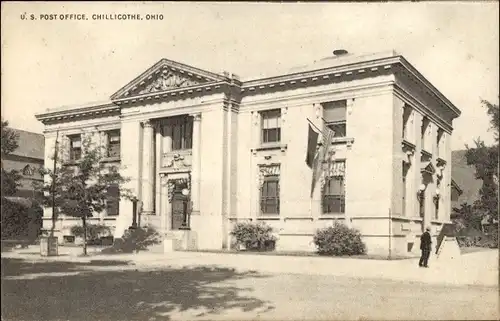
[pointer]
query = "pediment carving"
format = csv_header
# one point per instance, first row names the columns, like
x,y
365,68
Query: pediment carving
x,y
167,75
167,80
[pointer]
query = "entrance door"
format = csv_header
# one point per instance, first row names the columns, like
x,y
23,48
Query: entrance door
x,y
180,208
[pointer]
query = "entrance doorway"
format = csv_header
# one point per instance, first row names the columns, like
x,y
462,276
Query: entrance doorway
x,y
180,207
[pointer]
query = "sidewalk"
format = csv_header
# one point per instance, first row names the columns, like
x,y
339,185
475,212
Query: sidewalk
x,y
479,268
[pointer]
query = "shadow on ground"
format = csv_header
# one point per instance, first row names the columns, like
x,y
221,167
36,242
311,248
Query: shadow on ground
x,y
80,291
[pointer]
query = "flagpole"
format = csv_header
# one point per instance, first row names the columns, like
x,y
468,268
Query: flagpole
x,y
320,131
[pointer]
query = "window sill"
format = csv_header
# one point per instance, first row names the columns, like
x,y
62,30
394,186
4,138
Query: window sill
x,y
272,217
111,218
72,162
289,218
110,159
331,216
270,146
343,140
179,152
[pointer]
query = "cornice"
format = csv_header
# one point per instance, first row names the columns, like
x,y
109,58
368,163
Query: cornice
x,y
325,73
359,91
166,63
101,110
422,80
186,92
406,97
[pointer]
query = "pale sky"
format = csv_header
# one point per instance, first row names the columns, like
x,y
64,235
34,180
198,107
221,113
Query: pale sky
x,y
49,64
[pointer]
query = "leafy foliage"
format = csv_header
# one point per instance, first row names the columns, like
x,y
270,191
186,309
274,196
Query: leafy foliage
x,y
20,221
94,231
485,160
135,240
9,143
254,236
338,240
80,188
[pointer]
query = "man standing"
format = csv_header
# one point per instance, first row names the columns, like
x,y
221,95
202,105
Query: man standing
x,y
425,246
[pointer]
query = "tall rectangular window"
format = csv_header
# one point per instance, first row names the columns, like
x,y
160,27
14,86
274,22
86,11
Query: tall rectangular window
x,y
439,137
113,143
421,204
75,148
404,187
334,115
270,195
182,133
406,118
333,198
271,126
112,200
425,125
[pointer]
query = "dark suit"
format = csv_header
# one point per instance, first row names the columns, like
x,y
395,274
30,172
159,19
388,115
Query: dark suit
x,y
425,246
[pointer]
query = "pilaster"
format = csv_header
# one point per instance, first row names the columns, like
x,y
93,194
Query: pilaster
x,y
148,169
196,164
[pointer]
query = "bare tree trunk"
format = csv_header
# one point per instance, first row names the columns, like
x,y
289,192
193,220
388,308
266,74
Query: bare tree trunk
x,y
84,223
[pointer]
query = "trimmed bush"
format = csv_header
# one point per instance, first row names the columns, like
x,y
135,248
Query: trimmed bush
x,y
135,240
339,240
254,237
94,231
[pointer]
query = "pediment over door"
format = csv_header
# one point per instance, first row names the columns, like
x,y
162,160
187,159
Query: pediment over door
x,y
167,75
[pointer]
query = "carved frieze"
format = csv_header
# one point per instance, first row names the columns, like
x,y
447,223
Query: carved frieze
x,y
176,161
167,80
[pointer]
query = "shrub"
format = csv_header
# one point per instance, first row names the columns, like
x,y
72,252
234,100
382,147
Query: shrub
x,y
339,240
254,236
94,231
136,239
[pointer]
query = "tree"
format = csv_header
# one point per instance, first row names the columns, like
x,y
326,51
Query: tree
x,y
9,143
485,161
80,187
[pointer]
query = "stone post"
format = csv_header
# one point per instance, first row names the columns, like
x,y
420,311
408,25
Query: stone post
x,y
148,170
196,164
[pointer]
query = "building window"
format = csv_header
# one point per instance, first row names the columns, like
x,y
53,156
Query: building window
x,y
406,168
439,136
28,170
182,133
421,204
112,200
75,152
113,143
334,115
406,118
333,198
270,195
425,125
271,126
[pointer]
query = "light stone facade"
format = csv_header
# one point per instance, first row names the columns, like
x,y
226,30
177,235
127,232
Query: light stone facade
x,y
224,164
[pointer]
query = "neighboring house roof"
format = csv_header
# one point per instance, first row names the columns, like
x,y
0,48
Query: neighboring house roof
x,y
464,176
30,144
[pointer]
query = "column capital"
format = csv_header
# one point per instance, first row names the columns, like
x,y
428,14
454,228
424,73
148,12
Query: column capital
x,y
147,123
196,116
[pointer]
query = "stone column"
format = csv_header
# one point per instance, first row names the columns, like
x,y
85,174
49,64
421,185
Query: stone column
x,y
196,164
163,204
148,170
158,160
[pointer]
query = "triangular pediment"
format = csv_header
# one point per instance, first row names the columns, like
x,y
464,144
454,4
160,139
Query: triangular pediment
x,y
428,168
166,75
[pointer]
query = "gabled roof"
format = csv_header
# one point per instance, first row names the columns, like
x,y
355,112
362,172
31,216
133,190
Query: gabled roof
x,y
428,167
30,144
167,75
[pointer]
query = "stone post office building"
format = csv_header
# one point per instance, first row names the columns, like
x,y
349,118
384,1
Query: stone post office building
x,y
205,150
